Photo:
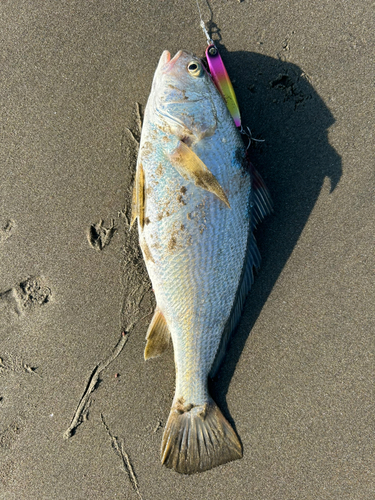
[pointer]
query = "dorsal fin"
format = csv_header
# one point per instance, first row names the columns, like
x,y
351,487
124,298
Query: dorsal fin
x,y
253,260
158,336
262,206
192,168
261,197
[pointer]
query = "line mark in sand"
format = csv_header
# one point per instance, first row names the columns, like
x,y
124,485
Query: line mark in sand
x,y
99,236
118,446
91,384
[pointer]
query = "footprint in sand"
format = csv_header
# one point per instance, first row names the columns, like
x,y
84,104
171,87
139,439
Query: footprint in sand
x,y
291,88
24,297
9,435
99,236
6,230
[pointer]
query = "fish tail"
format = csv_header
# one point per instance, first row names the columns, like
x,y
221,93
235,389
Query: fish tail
x,y
198,438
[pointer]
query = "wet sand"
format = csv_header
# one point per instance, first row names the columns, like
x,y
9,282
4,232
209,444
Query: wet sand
x,y
80,410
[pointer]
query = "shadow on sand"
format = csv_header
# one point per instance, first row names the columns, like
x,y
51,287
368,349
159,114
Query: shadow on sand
x,y
280,106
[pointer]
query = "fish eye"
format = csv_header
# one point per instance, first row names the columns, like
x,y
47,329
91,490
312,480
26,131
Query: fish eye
x,y
194,68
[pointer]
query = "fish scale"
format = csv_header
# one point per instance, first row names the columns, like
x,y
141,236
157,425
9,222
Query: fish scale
x,y
193,199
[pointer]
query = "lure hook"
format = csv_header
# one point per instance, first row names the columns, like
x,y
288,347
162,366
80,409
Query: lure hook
x,y
249,135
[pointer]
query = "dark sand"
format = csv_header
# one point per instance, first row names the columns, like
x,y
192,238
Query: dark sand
x,y
298,379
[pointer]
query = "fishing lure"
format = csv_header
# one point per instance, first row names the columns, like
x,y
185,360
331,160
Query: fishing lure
x,y
222,82
221,78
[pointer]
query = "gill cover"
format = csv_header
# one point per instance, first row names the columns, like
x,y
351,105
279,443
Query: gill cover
x,y
183,97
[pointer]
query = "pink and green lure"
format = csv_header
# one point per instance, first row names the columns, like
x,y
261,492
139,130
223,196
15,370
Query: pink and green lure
x,y
222,82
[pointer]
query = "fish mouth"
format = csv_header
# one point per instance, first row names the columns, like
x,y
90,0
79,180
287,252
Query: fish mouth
x,y
165,58
166,63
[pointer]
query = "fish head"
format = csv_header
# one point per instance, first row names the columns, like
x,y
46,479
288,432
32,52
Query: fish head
x,y
184,97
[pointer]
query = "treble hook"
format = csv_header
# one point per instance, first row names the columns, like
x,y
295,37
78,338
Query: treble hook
x,y
249,135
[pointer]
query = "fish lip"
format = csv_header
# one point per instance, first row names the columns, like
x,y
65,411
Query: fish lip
x,y
165,57
174,59
166,63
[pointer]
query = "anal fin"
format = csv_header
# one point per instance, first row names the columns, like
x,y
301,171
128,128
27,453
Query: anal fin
x,y
157,337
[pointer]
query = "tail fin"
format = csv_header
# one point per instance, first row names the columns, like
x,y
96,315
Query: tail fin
x,y
198,438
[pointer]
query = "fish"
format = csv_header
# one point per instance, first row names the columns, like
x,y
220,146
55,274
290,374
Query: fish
x,y
197,200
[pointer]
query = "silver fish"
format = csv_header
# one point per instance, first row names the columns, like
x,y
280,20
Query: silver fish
x,y
197,201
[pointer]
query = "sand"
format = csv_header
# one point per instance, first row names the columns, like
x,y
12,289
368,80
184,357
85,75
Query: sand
x,y
298,378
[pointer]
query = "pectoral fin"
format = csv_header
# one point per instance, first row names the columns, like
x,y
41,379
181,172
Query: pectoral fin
x,y
157,336
134,205
138,200
192,168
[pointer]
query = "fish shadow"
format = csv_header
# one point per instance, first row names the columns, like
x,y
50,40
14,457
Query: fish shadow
x,y
280,105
